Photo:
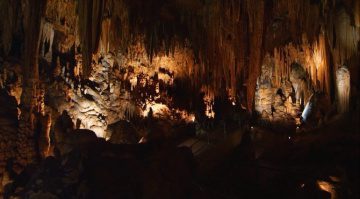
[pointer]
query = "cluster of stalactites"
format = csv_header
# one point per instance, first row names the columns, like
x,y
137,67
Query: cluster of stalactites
x,y
8,17
313,57
357,13
230,39
304,16
344,35
339,21
227,36
217,33
90,21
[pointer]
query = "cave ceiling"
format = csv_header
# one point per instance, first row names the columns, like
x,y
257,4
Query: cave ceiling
x,y
228,39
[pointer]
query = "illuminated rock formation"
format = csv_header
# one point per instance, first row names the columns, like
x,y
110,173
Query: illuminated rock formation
x,y
343,89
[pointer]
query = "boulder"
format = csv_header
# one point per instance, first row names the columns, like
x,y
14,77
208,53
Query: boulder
x,y
122,132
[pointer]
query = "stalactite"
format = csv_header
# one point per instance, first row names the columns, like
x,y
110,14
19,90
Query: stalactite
x,y
321,64
357,13
256,19
313,57
7,23
90,16
47,36
346,37
62,13
34,10
279,65
105,36
32,24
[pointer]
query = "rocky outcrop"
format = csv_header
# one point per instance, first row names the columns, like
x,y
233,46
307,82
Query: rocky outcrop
x,y
278,103
8,133
123,132
137,171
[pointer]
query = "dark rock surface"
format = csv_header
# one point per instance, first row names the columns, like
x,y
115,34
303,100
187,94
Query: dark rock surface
x,y
104,170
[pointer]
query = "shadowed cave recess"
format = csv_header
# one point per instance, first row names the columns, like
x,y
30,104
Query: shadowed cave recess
x,y
179,99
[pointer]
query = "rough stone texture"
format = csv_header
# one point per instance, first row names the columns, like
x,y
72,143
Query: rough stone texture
x,y
8,132
10,140
11,79
123,132
137,171
120,87
280,104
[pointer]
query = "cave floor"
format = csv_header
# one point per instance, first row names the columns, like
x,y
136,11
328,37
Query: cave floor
x,y
272,165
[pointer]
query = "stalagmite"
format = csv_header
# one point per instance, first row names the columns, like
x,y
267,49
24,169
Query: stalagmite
x,y
343,89
63,71
208,98
1,82
57,69
44,138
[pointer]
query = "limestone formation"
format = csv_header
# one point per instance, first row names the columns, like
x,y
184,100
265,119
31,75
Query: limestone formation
x,y
79,72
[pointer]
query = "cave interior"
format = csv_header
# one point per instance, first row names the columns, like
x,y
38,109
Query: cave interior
x,y
179,99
